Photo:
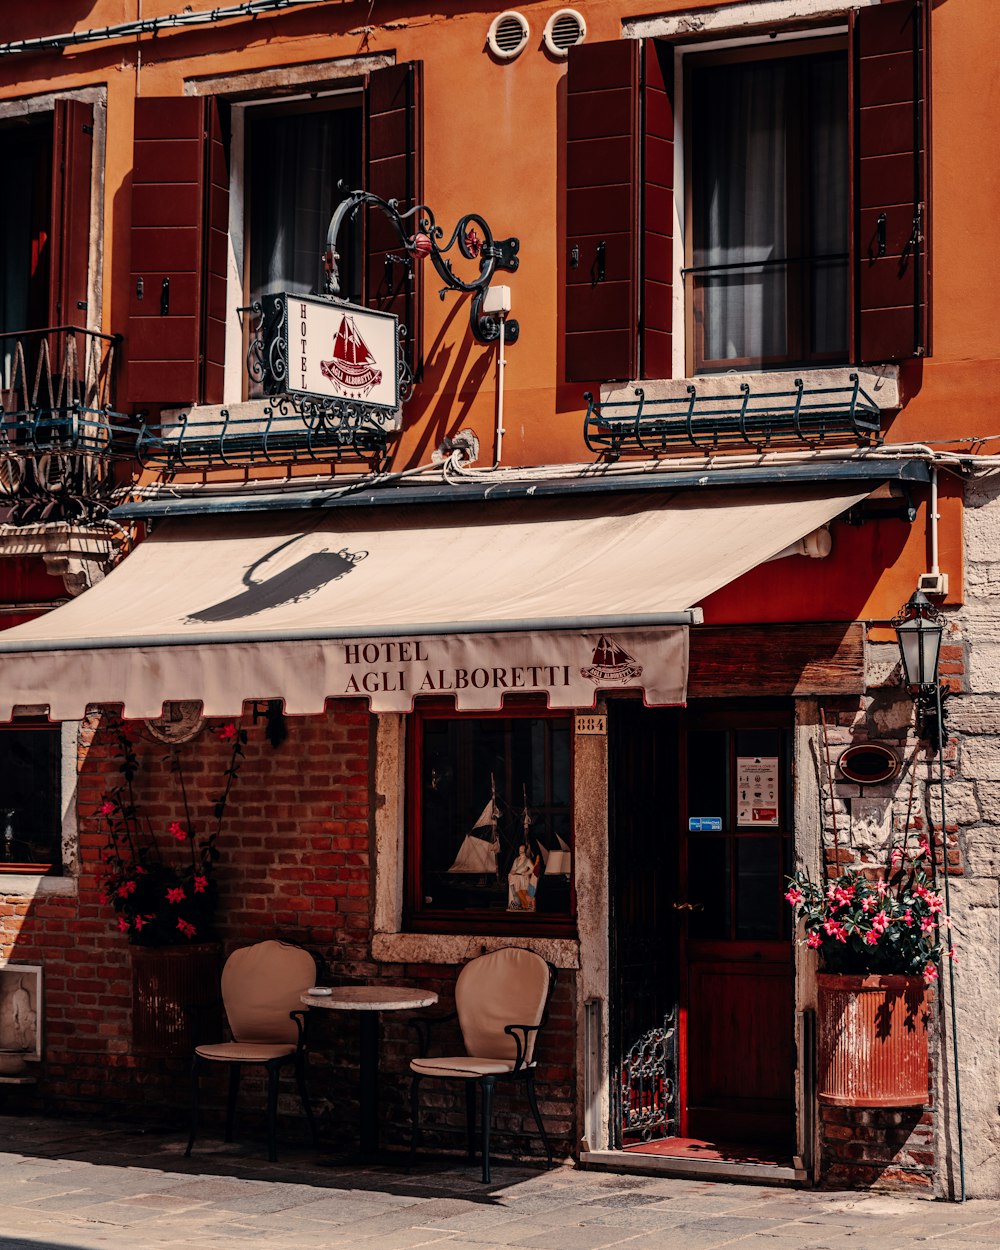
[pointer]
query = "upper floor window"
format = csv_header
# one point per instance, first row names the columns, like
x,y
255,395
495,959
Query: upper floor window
x,y
750,203
769,207
231,199
25,223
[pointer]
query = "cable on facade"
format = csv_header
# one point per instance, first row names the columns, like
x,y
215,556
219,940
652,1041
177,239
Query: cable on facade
x,y
152,25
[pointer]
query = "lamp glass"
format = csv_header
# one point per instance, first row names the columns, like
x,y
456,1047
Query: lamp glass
x,y
920,648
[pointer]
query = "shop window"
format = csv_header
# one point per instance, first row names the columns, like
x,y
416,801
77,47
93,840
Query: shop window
x,y
192,153
30,821
490,823
748,207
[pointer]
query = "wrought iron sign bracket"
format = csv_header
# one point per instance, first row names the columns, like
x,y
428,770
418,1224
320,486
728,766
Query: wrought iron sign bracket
x,y
472,236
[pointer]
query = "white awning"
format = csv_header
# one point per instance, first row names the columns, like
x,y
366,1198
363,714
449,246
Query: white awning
x,y
559,596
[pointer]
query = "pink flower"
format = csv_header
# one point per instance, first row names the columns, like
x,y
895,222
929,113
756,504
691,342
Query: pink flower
x,y
125,889
175,895
814,940
103,898
952,954
882,888
178,830
107,808
880,922
186,928
896,858
927,924
122,925
793,896
227,732
139,922
930,973
871,938
908,917
835,930
200,884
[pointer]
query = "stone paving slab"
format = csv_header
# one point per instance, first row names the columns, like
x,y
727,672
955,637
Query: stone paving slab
x,y
98,1186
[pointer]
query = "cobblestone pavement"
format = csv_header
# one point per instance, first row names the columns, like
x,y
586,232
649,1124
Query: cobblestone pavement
x,y
90,1186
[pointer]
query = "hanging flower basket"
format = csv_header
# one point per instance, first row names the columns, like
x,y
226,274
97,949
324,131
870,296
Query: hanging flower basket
x,y
872,1033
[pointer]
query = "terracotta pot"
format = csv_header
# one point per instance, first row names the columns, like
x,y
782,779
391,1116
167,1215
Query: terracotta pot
x,y
872,1040
167,982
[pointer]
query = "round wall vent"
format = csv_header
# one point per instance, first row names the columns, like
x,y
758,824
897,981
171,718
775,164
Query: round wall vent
x,y
564,30
508,35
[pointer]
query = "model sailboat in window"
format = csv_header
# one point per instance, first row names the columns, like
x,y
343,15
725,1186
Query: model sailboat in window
x,y
480,849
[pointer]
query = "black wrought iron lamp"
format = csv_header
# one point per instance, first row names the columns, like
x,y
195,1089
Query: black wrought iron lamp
x,y
919,630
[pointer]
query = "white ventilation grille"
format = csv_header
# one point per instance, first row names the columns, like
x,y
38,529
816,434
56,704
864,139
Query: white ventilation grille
x,y
564,30
508,35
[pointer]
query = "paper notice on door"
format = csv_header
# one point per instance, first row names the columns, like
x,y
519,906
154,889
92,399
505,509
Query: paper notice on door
x,y
757,790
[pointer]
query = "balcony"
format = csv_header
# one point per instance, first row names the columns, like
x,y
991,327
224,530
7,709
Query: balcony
x,y
59,432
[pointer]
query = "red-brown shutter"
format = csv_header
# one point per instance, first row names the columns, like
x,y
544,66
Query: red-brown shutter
x,y
657,171
394,171
891,269
179,220
72,162
602,208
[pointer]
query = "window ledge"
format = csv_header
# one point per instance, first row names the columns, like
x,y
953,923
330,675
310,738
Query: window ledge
x,y
434,948
880,382
32,885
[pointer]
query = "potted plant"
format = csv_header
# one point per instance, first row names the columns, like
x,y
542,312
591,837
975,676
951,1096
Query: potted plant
x,y
164,893
881,936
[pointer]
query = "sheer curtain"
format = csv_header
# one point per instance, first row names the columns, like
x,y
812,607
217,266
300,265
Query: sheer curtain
x,y
296,161
740,210
770,183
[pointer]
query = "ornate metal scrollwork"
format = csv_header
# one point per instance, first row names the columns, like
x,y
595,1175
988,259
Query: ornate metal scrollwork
x,y
648,1083
491,253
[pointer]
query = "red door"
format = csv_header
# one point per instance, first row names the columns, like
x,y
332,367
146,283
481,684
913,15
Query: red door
x,y
736,992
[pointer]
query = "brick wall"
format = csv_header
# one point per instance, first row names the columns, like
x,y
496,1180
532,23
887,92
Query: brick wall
x,y
296,863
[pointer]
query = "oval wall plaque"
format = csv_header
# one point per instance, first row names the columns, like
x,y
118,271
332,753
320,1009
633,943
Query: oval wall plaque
x,y
869,763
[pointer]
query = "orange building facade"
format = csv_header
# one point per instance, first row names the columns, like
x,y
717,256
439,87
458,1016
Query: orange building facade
x,y
606,546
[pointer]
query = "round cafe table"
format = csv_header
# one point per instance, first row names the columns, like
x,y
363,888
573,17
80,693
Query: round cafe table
x,y
368,1001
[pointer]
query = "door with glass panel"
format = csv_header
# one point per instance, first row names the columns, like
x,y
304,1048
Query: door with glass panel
x,y
735,940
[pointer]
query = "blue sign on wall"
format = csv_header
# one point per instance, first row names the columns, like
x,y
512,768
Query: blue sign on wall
x,y
705,824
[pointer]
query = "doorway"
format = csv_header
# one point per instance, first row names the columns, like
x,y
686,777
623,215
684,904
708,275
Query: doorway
x,y
701,1008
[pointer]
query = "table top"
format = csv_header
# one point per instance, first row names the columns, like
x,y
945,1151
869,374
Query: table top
x,y
371,998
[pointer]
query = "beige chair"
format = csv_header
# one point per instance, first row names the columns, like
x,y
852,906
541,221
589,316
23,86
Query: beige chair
x,y
500,1003
261,986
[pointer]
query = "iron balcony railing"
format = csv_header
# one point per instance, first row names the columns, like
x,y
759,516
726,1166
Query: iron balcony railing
x,y
712,420
59,431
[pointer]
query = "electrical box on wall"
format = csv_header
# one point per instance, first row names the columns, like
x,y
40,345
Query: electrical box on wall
x,y
933,583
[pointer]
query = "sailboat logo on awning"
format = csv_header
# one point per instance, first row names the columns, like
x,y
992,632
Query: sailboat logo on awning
x,y
353,367
611,663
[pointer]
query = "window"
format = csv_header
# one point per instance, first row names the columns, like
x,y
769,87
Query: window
x,y
768,187
490,823
295,158
758,203
284,160
26,155
30,820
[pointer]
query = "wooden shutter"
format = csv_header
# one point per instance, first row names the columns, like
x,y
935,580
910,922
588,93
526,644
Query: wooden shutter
x,y
180,223
657,223
890,262
394,171
602,208
72,165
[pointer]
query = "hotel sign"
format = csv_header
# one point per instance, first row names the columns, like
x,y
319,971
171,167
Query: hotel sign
x,y
330,351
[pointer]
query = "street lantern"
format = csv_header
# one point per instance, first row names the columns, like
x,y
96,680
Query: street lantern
x,y
919,630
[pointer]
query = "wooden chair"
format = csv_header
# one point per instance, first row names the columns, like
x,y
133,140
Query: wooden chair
x,y
501,1001
261,986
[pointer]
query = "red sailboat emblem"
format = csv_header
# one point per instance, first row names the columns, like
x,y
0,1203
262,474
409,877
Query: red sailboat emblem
x,y
353,366
611,663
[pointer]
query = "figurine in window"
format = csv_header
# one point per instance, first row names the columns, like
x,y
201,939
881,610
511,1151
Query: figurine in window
x,y
522,881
